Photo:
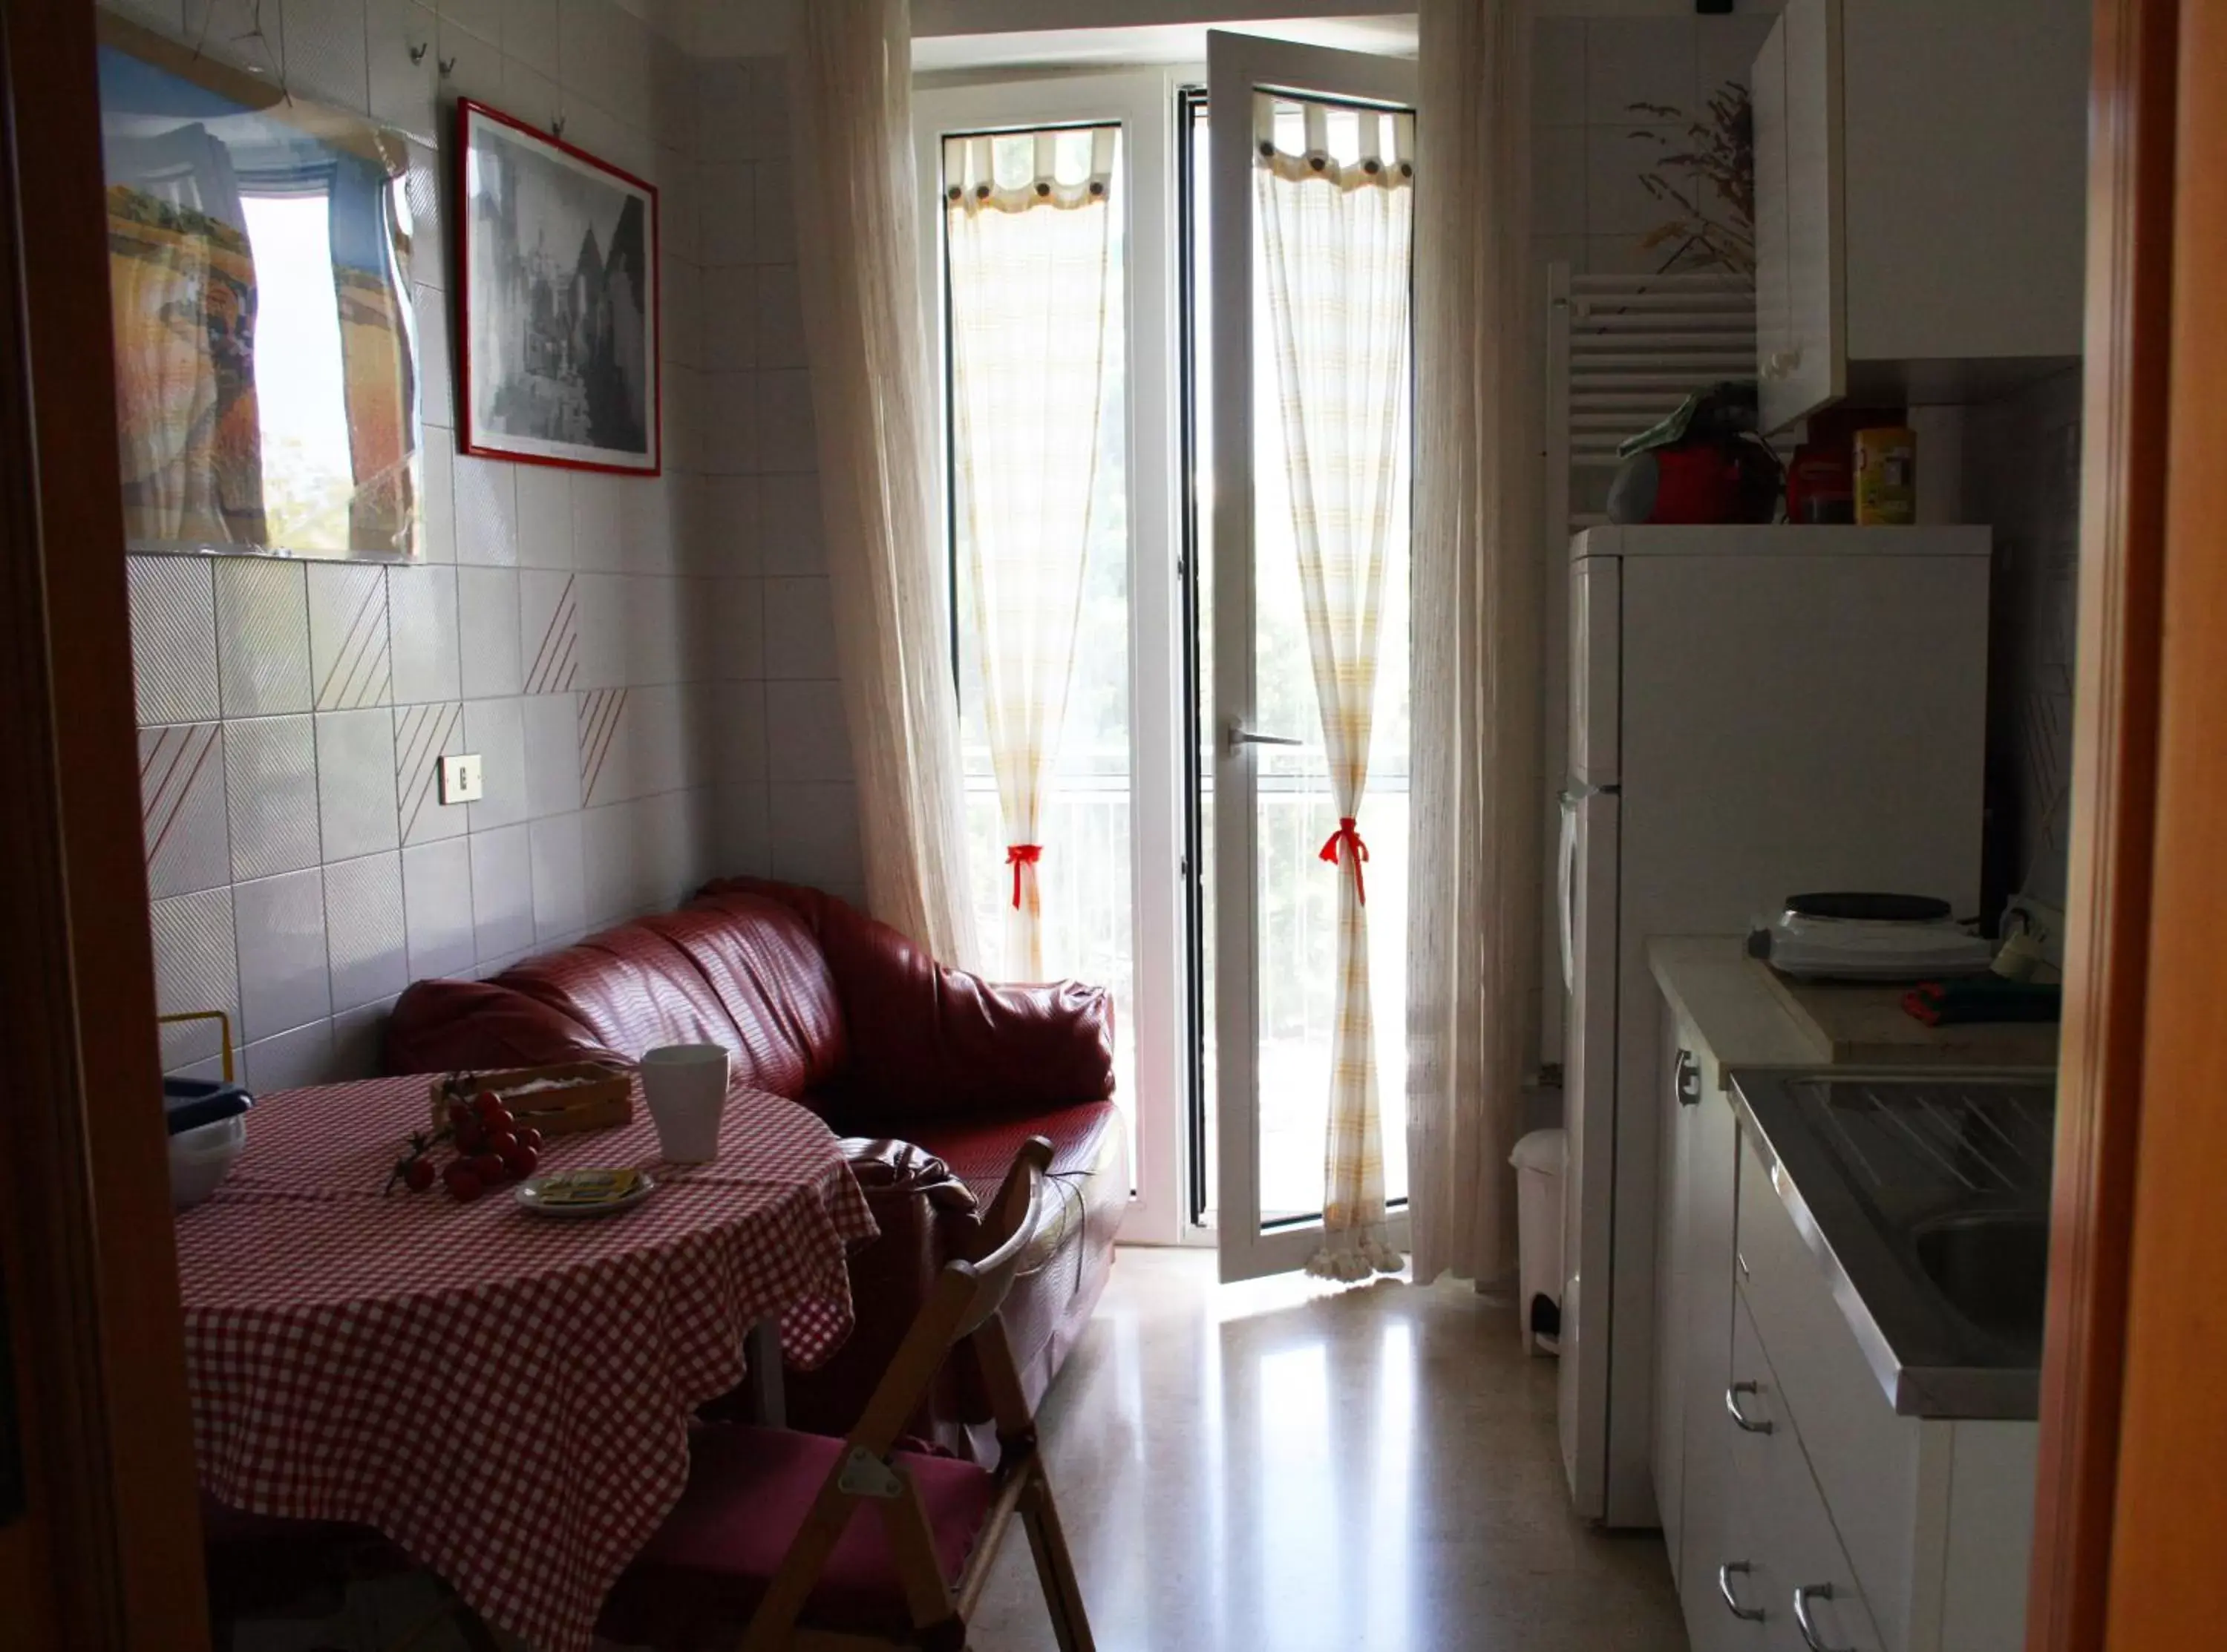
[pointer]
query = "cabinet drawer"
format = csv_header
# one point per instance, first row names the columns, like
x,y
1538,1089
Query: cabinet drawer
x,y
1823,1601
1866,1459
1763,1422
1783,1532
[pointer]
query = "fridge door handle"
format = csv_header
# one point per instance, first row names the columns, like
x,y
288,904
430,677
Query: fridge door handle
x,y
1566,892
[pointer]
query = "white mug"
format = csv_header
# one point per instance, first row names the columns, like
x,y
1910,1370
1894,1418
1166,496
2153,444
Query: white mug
x,y
686,1086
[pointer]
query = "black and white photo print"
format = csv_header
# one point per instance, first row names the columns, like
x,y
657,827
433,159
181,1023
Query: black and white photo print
x,y
559,327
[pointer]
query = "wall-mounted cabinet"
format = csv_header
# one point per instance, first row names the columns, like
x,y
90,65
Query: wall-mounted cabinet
x,y
1921,192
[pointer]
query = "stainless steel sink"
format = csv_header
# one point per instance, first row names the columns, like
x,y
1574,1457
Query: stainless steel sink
x,y
1925,1196
1993,1267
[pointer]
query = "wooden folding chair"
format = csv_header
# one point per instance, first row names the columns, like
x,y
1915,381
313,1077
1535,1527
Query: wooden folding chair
x,y
807,1541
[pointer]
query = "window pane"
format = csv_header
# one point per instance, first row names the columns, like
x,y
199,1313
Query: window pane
x,y
1297,894
1198,247
1085,876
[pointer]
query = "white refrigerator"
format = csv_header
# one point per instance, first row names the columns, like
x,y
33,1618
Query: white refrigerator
x,y
1754,713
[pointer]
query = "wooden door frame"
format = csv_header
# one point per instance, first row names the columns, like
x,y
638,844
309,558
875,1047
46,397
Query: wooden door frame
x,y
2170,1497
2105,1130
109,1554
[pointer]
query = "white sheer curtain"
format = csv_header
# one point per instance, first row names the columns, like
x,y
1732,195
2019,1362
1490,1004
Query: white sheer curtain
x,y
859,260
1032,290
1474,881
1335,240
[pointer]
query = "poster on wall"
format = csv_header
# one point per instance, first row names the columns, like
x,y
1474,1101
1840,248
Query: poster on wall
x,y
560,300
259,265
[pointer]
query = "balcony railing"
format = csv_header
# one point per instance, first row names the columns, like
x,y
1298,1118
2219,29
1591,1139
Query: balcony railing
x,y
1085,880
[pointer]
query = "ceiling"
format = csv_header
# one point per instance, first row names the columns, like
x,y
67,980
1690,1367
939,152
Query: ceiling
x,y
1147,44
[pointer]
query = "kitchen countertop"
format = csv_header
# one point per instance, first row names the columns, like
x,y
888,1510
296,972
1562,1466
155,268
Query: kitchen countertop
x,y
1711,981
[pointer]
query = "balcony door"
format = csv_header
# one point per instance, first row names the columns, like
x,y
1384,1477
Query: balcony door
x,y
1271,777
1109,872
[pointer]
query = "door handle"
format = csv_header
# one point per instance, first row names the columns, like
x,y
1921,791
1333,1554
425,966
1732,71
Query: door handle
x,y
1802,1597
1745,1613
1733,1405
1241,736
1566,893
1689,1079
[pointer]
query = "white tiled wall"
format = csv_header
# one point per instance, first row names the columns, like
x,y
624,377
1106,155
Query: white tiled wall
x,y
613,648
1590,144
787,801
2021,475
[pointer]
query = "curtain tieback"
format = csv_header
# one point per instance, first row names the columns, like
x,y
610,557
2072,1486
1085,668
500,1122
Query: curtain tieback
x,y
1349,832
1018,855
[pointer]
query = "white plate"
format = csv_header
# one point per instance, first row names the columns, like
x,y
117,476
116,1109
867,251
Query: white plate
x,y
530,1196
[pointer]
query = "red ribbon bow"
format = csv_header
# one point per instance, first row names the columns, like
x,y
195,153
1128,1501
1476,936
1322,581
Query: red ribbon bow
x,y
1018,855
1348,832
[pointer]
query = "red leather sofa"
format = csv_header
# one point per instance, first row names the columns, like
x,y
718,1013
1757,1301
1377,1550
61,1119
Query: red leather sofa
x,y
934,1077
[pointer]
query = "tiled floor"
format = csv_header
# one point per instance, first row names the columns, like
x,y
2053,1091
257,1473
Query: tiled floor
x,y
1280,1467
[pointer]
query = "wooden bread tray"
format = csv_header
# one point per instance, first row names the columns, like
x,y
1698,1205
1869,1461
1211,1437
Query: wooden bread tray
x,y
560,1100
1858,1025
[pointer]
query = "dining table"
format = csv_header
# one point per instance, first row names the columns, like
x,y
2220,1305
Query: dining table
x,y
505,1395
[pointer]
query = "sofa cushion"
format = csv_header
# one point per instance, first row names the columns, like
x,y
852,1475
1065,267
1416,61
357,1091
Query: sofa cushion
x,y
928,1042
455,1026
1088,1190
768,971
631,987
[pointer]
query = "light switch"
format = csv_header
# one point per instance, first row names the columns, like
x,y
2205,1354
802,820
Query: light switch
x,y
460,778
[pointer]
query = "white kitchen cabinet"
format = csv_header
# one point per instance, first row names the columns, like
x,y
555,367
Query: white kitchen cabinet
x,y
1921,194
1699,1150
1715,1013
1731,1609
1801,357
1786,1541
1921,1527
1929,1522
1674,1285
1752,1591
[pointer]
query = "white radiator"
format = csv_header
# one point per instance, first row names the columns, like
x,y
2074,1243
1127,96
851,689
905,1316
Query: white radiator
x,y
1621,352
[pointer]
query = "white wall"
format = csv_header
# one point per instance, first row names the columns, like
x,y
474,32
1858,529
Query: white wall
x,y
616,649
2021,473
788,799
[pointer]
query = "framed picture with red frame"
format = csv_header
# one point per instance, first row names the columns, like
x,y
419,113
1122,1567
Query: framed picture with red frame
x,y
557,297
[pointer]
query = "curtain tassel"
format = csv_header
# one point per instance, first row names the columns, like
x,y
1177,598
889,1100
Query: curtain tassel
x,y
1018,855
1347,833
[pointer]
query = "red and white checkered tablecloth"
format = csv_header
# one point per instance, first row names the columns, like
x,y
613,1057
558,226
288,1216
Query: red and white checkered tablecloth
x,y
505,1396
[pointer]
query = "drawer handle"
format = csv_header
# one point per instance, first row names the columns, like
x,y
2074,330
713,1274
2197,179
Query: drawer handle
x,y
1733,1405
1745,1613
1802,1597
1689,1079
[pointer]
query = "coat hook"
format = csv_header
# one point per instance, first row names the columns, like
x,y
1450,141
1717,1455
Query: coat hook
x,y
448,67
556,126
418,52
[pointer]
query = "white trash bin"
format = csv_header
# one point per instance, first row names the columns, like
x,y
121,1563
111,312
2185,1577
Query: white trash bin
x,y
1539,1160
